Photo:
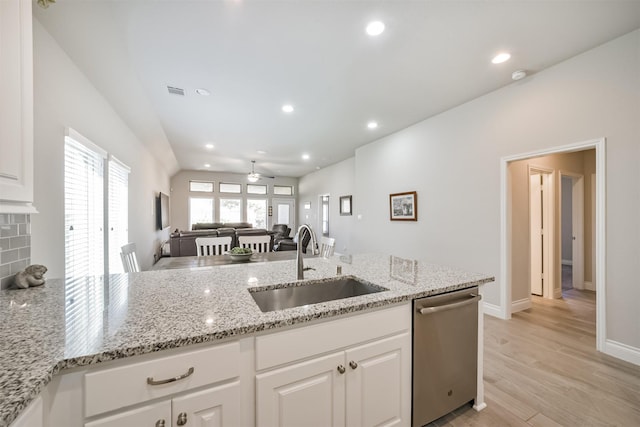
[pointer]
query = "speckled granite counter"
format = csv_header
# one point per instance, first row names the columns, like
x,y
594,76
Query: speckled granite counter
x,y
89,320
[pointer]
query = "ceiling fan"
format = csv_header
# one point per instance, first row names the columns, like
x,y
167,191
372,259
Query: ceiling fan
x,y
253,176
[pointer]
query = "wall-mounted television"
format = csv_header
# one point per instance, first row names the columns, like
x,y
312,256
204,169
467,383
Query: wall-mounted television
x,y
162,211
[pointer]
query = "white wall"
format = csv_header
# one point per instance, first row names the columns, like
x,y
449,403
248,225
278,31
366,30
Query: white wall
x,y
179,198
336,180
63,97
453,161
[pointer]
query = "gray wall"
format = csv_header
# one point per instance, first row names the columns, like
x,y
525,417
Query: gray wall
x,y
65,98
336,180
179,198
453,161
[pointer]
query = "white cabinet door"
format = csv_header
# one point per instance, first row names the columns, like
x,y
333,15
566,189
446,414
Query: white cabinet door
x,y
156,415
32,416
214,407
16,105
379,383
306,394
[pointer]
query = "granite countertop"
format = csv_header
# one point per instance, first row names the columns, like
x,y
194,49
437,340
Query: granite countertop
x,y
88,320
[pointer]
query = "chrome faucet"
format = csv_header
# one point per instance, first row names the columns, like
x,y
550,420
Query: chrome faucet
x,y
314,249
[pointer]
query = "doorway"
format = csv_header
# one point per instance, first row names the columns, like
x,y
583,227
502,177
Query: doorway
x,y
572,230
508,262
284,212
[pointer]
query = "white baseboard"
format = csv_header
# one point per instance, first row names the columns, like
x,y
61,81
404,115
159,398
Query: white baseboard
x,y
589,286
557,293
622,351
492,310
521,304
567,262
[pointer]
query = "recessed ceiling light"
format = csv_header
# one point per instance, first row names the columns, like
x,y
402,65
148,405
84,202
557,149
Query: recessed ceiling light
x,y
287,108
261,152
209,146
203,92
306,157
500,58
207,165
372,125
375,28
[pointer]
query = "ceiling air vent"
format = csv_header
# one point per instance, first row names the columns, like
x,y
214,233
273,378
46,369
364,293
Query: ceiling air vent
x,y
175,90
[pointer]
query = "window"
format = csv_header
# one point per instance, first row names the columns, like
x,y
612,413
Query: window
x,y
83,207
201,186
93,212
283,190
226,187
118,219
325,215
257,212
256,189
230,210
200,210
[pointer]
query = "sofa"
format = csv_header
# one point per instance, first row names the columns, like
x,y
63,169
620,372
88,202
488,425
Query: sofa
x,y
291,244
183,243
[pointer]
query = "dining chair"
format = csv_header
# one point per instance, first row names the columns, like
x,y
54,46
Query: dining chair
x,y
327,246
129,259
206,246
255,243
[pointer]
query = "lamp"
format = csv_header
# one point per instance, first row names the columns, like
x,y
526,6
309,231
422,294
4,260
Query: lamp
x,y
253,176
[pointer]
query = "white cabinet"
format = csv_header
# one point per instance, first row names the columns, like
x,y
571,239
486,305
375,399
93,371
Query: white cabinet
x,y
32,416
214,407
305,394
359,385
156,415
16,106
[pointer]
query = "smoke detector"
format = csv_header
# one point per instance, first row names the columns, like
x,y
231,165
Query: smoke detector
x,y
518,74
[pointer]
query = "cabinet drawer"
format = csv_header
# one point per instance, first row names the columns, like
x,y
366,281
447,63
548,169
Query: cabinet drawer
x,y
125,385
310,340
150,415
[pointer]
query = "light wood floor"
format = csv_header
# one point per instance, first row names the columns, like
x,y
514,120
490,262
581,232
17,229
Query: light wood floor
x,y
542,369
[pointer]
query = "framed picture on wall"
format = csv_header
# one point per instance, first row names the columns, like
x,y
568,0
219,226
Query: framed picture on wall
x,y
345,205
403,206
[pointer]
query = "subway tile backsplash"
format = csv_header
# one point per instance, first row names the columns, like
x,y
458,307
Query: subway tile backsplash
x,y
15,246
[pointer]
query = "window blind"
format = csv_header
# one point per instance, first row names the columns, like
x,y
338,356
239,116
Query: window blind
x,y
84,208
118,207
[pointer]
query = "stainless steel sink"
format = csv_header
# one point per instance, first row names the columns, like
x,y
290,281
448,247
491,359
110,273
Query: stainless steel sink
x,y
314,292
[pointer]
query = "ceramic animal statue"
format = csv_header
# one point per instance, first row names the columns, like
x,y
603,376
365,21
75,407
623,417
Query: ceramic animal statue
x,y
30,276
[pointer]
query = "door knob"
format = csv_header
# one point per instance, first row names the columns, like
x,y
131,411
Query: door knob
x,y
182,419
341,369
160,423
353,364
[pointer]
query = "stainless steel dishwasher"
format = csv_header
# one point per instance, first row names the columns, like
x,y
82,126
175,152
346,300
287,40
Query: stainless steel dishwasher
x,y
445,347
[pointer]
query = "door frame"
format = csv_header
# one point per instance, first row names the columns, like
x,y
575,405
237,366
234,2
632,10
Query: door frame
x,y
550,282
577,225
504,284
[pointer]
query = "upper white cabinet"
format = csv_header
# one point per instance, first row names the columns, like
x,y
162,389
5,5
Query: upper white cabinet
x,y
16,107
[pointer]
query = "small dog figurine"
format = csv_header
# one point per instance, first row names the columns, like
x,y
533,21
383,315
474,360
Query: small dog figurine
x,y
30,276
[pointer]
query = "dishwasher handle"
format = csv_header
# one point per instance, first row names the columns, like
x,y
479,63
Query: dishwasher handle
x,y
431,310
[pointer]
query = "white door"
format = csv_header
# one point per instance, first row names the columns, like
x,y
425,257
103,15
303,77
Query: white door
x,y
536,232
284,213
379,383
305,394
213,407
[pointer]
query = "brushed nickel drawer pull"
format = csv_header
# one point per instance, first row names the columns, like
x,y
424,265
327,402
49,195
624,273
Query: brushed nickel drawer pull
x,y
341,369
151,381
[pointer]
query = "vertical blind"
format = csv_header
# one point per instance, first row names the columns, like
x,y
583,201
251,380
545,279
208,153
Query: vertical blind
x,y
95,213
83,209
118,219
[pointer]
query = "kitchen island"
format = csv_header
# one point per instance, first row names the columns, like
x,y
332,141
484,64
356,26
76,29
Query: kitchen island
x,y
85,322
